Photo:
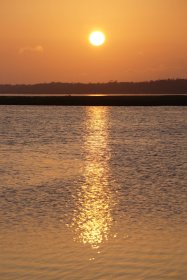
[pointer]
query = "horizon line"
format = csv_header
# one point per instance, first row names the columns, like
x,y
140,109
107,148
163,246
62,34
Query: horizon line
x,y
94,83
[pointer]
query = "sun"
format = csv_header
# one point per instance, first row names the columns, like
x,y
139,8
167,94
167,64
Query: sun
x,y
97,38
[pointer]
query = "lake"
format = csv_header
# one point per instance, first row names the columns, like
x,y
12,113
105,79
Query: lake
x,y
93,193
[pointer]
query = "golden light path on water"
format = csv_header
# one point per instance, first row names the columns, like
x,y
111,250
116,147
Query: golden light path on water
x,y
92,218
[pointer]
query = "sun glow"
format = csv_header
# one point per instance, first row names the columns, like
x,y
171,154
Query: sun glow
x,y
97,38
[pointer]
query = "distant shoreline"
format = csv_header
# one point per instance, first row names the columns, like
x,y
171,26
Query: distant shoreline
x,y
94,100
171,87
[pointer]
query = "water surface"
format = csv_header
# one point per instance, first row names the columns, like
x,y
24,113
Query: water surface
x,y
93,192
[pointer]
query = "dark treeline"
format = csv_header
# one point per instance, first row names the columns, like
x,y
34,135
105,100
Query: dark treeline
x,y
178,86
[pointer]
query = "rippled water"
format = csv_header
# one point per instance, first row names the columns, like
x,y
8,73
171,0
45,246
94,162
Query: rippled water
x,y
93,193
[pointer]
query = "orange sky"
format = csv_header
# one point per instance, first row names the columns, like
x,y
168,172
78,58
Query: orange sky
x,y
45,40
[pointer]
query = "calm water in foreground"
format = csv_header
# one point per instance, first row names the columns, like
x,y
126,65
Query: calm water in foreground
x,y
93,193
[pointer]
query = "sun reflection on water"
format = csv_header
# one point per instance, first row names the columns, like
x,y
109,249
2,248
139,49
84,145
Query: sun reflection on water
x,y
92,218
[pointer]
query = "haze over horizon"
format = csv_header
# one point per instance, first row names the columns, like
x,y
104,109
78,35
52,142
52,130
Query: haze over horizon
x,y
44,41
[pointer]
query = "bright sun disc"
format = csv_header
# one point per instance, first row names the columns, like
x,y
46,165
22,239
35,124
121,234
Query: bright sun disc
x,y
97,38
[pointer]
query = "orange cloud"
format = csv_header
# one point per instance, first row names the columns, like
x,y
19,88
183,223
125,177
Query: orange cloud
x,y
28,49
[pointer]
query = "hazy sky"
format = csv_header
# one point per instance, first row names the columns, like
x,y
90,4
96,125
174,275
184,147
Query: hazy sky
x,y
47,40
